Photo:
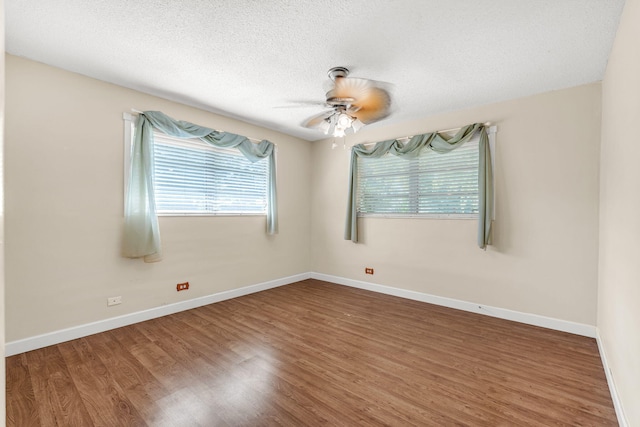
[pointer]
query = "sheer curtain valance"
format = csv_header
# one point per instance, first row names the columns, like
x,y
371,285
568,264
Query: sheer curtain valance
x,y
141,232
439,143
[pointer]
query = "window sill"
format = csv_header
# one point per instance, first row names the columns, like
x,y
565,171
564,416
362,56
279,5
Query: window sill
x,y
425,216
208,214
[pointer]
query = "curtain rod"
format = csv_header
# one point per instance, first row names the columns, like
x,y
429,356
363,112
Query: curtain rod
x,y
133,110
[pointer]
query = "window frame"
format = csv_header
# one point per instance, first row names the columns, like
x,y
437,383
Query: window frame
x,y
446,216
129,130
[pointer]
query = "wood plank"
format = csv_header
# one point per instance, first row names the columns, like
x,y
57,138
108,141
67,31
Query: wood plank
x,y
21,401
139,385
102,396
61,403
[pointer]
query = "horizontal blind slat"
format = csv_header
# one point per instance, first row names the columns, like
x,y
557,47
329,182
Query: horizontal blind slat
x,y
194,177
432,183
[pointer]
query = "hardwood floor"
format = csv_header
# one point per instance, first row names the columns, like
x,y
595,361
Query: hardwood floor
x,y
313,353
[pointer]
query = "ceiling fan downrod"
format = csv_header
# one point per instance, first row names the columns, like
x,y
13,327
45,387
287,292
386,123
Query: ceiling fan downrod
x,y
337,72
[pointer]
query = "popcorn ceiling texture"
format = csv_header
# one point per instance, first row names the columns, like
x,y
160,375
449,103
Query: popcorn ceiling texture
x,y
261,61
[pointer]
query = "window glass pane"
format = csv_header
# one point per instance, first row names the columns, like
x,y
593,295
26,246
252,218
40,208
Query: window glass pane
x,y
432,184
193,177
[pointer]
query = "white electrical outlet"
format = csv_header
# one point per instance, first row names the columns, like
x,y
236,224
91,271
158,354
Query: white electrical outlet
x,y
114,301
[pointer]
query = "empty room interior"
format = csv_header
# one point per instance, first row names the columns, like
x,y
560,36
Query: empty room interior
x,y
321,213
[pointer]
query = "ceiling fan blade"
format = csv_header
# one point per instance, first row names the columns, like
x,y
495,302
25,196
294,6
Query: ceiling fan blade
x,y
317,120
303,104
370,101
346,87
372,107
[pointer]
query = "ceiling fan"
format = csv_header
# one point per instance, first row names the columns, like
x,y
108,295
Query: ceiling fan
x,y
353,103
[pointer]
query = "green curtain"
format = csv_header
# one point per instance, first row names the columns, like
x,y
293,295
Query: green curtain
x,y
141,232
411,149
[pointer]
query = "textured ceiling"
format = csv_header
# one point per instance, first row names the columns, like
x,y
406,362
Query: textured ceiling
x,y
249,59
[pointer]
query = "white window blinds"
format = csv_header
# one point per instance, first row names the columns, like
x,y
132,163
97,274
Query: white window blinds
x,y
196,178
431,185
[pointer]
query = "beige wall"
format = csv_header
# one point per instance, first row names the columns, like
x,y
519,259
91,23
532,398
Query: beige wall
x,y
64,204
619,282
546,231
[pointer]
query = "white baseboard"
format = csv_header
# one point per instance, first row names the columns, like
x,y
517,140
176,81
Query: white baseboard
x,y
617,404
56,337
502,313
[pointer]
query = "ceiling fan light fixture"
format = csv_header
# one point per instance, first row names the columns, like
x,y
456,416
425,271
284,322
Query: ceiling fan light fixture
x,y
325,126
344,120
339,133
356,125
341,124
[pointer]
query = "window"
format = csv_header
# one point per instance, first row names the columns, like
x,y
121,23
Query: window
x,y
196,178
432,185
